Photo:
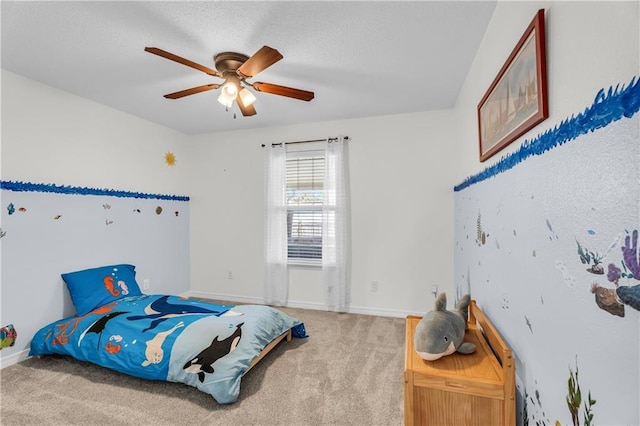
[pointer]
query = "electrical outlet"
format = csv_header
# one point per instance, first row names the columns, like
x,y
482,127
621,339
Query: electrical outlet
x,y
374,286
434,290
146,283
230,275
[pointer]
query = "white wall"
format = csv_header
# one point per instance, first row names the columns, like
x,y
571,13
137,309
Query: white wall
x,y
590,46
53,137
401,196
401,182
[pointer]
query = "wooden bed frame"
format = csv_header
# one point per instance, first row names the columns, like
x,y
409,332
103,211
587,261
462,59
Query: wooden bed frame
x,y
286,335
473,389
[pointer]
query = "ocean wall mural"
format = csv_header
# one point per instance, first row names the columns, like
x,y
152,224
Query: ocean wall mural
x,y
50,229
546,240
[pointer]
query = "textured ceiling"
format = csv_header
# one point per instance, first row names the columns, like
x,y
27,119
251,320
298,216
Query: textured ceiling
x,y
360,58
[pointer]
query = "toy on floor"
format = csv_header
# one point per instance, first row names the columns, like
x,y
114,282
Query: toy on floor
x,y
441,332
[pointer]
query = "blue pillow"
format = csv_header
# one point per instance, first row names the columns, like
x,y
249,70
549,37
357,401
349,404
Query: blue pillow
x,y
92,288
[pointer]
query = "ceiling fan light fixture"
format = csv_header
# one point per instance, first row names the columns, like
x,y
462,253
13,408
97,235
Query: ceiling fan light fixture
x,y
230,89
234,68
247,97
225,100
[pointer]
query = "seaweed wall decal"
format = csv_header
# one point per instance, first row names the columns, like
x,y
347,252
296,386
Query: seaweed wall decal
x,y
574,400
77,190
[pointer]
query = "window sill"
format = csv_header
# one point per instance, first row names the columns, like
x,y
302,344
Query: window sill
x,y
305,263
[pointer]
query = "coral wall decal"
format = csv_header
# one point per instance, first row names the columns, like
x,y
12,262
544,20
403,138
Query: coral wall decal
x,y
587,256
8,336
630,254
613,300
630,295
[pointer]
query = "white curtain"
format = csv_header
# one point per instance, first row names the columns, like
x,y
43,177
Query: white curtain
x,y
275,277
335,232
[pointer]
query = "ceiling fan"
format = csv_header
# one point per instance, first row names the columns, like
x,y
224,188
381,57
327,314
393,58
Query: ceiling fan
x,y
235,69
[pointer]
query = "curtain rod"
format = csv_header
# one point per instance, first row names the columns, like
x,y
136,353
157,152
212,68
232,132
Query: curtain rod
x,y
346,138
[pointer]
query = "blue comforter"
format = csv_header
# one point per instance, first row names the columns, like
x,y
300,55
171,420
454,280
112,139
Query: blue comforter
x,y
161,337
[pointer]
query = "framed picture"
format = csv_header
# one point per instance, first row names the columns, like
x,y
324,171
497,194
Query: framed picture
x,y
517,99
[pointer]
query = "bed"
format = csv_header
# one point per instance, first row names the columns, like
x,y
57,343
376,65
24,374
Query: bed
x,y
163,337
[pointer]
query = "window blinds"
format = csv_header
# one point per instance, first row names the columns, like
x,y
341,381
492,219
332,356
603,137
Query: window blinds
x,y
305,177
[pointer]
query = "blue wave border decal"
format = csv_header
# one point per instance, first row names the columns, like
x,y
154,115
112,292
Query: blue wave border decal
x,y
607,108
77,190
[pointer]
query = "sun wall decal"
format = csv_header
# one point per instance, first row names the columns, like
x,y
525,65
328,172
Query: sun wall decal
x,y
170,159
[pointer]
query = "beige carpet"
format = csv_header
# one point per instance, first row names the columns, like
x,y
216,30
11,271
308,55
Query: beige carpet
x,y
347,372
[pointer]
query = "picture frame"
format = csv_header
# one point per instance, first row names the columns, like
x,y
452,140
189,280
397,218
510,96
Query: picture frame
x,y
516,100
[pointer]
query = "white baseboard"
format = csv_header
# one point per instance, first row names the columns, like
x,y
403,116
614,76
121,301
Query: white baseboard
x,y
380,312
9,360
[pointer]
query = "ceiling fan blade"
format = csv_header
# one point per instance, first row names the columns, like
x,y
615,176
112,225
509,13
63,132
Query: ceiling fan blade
x,y
259,61
181,60
246,110
289,92
192,91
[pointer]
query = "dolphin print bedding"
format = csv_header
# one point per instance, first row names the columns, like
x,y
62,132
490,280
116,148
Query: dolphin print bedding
x,y
163,337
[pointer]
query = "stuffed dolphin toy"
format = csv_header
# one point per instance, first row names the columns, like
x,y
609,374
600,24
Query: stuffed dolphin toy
x,y
440,332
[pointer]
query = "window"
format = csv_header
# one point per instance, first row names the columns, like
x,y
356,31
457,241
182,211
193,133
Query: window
x,y
305,178
307,218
